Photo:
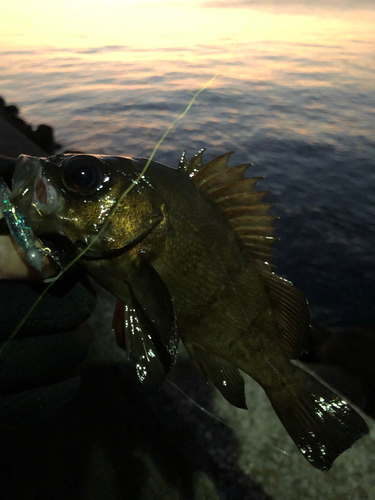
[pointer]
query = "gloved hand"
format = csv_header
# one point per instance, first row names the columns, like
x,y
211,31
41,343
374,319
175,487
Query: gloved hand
x,y
38,366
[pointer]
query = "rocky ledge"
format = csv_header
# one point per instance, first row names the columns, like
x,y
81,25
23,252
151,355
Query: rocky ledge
x,y
42,136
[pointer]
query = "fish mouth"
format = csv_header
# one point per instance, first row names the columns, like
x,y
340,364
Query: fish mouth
x,y
45,198
94,254
32,187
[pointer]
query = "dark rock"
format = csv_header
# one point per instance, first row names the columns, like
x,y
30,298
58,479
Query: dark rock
x,y
43,136
349,354
14,143
11,110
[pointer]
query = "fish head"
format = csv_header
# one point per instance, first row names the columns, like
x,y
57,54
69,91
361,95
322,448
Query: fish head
x,y
109,212
101,201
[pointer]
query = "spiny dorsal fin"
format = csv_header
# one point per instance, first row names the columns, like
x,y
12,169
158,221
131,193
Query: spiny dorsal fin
x,y
183,163
212,168
194,165
242,186
290,310
236,197
222,179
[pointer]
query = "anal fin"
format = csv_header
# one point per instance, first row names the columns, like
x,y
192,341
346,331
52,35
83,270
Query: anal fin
x,y
223,375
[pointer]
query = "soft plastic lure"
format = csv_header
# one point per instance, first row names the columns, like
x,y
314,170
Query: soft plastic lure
x,y
19,228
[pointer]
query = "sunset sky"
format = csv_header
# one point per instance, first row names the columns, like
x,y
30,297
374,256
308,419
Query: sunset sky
x,y
141,23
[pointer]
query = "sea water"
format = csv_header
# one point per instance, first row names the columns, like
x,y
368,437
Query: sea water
x,y
300,108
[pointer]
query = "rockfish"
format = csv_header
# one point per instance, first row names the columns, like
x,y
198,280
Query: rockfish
x,y
187,252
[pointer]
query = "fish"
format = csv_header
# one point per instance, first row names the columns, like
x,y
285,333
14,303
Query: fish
x,y
187,251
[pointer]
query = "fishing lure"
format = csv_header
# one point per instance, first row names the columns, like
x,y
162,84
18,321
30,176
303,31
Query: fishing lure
x,y
19,228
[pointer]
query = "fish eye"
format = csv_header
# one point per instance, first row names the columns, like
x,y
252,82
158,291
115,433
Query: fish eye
x,y
82,174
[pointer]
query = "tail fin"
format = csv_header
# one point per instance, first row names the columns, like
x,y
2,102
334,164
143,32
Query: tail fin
x,y
320,422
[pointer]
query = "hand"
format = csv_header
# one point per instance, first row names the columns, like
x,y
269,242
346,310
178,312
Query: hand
x,y
13,265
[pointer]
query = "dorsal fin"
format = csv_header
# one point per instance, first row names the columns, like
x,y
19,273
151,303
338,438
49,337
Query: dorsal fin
x,y
236,197
195,164
290,310
212,168
183,163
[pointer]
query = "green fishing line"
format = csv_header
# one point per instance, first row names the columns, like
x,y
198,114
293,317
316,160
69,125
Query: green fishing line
x,y
134,182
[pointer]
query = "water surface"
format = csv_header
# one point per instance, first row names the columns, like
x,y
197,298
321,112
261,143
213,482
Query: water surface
x,y
295,97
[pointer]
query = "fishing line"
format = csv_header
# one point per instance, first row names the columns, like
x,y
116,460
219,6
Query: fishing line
x,y
132,185
201,408
215,417
116,207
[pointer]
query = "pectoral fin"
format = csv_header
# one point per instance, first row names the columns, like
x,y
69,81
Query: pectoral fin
x,y
145,325
132,335
154,306
224,376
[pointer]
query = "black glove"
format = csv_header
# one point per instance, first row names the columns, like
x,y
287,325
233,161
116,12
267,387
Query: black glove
x,y
38,367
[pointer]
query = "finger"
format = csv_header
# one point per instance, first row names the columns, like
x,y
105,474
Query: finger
x,y
13,264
